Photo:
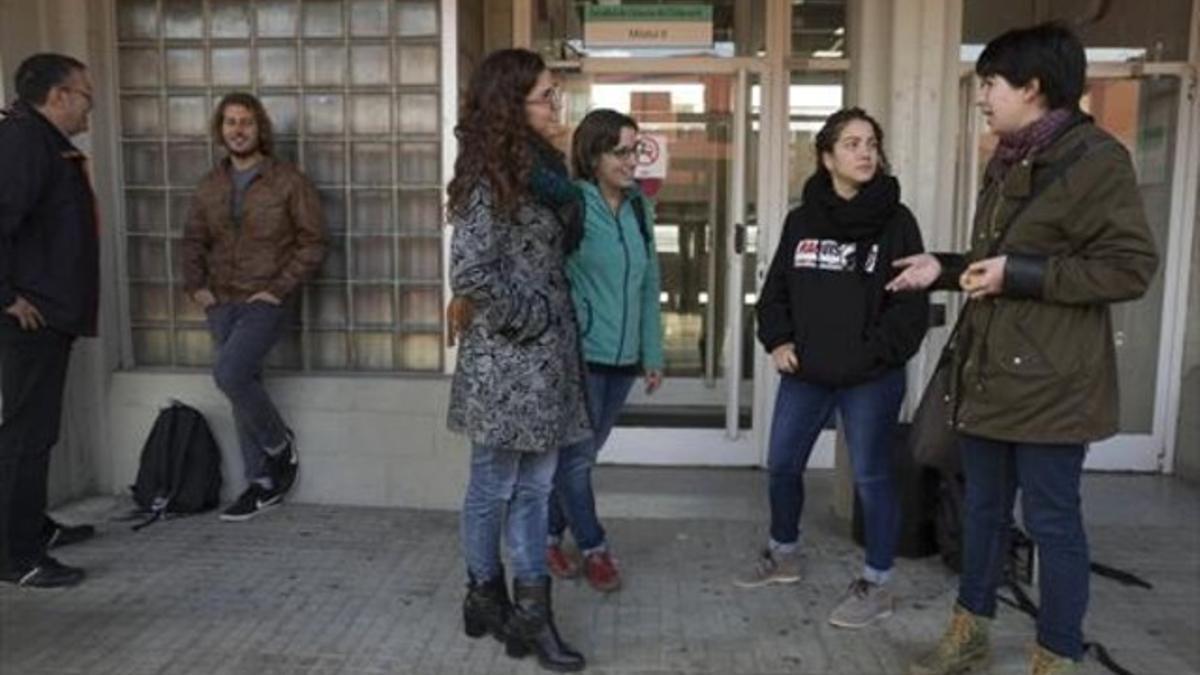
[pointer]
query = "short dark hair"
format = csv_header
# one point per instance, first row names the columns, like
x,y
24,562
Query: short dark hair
x,y
266,135
1049,52
828,136
597,133
40,73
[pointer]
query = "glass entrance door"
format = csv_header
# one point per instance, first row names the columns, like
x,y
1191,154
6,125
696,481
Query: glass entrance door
x,y
698,126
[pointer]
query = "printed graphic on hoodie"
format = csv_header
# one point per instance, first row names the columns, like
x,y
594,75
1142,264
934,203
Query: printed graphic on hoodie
x,y
831,255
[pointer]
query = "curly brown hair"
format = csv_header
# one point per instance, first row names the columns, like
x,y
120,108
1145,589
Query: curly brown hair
x,y
266,134
495,142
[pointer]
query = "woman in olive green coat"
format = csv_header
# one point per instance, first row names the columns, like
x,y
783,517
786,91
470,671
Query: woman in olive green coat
x,y
1035,361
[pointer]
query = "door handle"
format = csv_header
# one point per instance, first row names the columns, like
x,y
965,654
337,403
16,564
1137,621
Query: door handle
x,y
739,239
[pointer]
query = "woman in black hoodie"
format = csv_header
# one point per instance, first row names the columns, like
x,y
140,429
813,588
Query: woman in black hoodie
x,y
839,341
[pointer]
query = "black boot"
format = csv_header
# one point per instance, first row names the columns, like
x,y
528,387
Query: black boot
x,y
486,608
532,629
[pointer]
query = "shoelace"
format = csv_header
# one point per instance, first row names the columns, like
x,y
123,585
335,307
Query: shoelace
x,y
860,588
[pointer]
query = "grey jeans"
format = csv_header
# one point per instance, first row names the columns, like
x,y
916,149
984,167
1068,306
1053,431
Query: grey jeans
x,y
243,333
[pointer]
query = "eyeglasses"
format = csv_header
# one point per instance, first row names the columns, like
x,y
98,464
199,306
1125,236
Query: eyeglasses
x,y
550,97
627,151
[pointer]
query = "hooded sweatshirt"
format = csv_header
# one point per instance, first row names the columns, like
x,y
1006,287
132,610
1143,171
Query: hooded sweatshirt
x,y
825,290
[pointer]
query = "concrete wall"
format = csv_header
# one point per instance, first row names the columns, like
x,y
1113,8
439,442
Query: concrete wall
x,y
76,28
362,440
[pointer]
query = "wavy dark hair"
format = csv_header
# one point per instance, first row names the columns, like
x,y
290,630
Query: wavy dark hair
x,y
495,142
829,134
266,132
597,133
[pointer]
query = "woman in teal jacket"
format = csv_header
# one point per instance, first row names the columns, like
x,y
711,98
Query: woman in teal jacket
x,y
615,286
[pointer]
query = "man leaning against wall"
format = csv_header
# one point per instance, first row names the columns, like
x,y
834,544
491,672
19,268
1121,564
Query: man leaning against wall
x,y
253,235
49,290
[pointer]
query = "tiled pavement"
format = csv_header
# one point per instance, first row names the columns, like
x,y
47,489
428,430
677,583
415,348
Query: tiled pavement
x,y
324,590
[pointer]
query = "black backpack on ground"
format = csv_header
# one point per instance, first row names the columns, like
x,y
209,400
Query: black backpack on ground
x,y
180,468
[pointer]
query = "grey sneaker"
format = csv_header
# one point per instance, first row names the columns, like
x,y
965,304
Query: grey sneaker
x,y
863,604
771,567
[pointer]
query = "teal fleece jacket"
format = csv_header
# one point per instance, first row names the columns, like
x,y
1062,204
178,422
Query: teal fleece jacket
x,y
615,284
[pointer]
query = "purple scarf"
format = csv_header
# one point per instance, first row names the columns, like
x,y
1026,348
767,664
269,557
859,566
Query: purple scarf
x,y
1029,140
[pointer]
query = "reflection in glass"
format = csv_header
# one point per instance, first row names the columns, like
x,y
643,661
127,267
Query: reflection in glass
x,y
421,259
420,352
418,163
330,350
139,67
180,203
185,67
420,211
371,114
368,18
325,65
417,113
325,163
137,20
193,347
187,163
324,113
146,257
333,206
183,19
141,115
417,64
421,306
370,65
284,111
230,18
372,164
277,67
373,351
143,163
187,115
145,211
149,302
152,346
373,258
231,66
372,211
322,18
373,305
327,304
416,18
277,18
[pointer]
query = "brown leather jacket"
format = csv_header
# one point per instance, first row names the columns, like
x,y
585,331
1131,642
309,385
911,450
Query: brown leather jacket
x,y
279,243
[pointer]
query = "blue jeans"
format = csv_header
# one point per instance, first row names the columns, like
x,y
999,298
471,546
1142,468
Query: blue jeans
x,y
573,501
243,333
868,414
508,490
1048,477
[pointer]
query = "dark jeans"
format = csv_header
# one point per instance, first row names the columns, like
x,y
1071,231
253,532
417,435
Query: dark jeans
x,y
573,501
1048,477
33,371
868,414
507,494
243,333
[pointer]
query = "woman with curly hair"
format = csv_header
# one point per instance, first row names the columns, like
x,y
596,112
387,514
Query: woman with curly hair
x,y
518,390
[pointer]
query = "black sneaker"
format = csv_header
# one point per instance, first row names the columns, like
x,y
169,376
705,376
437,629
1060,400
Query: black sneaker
x,y
48,573
283,467
58,534
252,502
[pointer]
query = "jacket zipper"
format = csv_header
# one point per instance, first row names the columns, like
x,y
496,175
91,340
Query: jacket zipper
x,y
624,284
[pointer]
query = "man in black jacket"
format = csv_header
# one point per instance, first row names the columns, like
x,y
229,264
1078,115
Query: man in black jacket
x,y
49,286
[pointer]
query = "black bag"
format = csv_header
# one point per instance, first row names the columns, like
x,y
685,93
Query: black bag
x,y
180,468
933,440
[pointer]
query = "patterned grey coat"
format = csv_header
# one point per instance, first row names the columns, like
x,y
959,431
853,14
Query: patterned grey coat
x,y
519,380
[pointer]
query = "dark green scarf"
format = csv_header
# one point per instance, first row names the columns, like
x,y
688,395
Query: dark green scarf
x,y
550,184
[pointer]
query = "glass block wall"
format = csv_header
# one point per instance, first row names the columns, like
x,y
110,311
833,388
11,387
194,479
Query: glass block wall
x,y
353,89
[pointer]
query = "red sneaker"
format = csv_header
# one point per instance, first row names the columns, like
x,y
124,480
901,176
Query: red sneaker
x,y
561,564
601,571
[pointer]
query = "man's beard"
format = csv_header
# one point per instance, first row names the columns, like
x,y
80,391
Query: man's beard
x,y
250,151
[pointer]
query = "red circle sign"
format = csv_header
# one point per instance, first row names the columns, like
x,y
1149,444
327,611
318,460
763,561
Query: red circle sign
x,y
647,151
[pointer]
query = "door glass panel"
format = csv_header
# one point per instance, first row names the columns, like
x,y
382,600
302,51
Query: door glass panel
x,y
812,97
819,29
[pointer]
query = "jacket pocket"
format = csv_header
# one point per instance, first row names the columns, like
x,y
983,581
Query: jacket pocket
x,y
1015,348
583,314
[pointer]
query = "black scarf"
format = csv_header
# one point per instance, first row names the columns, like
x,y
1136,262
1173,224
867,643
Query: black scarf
x,y
862,219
